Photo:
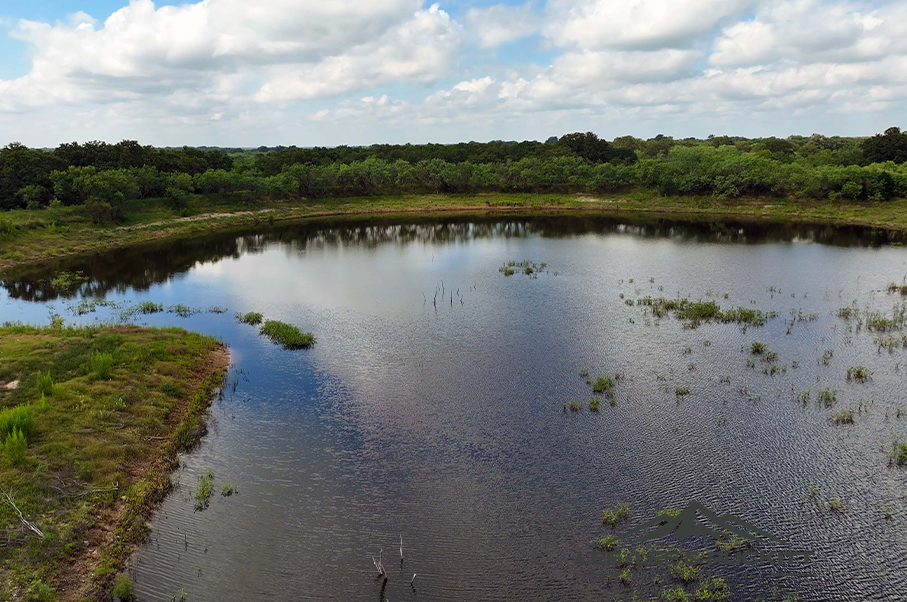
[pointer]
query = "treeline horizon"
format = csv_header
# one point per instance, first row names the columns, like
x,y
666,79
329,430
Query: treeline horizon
x,y
103,176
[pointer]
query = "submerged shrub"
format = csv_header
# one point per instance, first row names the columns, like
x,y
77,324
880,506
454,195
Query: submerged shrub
x,y
287,335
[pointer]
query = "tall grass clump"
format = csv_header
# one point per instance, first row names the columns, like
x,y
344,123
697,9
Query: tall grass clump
x,y
603,384
14,447
287,335
45,385
612,516
20,418
860,374
899,453
149,307
101,365
253,317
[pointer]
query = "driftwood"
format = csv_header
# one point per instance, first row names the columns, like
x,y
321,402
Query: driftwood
x,y
30,526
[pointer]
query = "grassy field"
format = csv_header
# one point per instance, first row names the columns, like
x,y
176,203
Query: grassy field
x,y
31,236
91,421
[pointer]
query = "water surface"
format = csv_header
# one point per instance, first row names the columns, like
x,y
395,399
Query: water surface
x,y
439,416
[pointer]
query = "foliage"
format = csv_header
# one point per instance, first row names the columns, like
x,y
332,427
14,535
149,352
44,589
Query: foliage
x,y
123,589
101,365
287,335
254,318
20,418
14,447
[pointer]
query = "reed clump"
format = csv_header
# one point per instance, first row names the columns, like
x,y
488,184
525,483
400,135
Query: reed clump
x,y
287,335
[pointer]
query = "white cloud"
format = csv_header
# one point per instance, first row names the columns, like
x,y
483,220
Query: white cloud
x,y
635,24
501,23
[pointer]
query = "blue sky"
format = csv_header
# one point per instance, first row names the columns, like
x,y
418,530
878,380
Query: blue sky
x,y
240,73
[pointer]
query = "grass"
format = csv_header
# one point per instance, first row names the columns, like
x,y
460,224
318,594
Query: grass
x,y
594,404
618,514
149,307
205,489
101,365
758,348
608,543
837,505
682,391
827,397
713,589
35,235
675,594
228,489
603,384
695,313
844,417
573,406
85,452
684,572
898,453
253,317
860,374
287,335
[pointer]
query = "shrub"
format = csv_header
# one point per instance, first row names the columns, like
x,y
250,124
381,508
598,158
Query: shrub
x,y
21,418
287,335
123,589
14,447
101,365
100,212
45,385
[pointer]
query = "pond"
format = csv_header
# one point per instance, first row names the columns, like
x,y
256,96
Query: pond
x,y
432,406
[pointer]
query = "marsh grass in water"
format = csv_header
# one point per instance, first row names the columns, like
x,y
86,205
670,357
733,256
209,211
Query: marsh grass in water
x,y
253,317
608,543
827,397
694,313
617,514
573,406
898,453
204,490
65,281
287,335
860,374
844,417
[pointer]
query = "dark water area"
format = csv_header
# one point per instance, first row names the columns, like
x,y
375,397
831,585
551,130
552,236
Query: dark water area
x,y
441,417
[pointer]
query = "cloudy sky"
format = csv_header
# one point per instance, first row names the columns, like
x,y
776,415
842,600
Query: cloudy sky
x,y
306,72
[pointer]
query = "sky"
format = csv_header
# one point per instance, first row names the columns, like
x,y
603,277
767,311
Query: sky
x,y
330,72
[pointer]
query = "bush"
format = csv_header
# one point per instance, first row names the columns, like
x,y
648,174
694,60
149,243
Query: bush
x,y
14,447
100,212
123,589
101,365
20,418
45,385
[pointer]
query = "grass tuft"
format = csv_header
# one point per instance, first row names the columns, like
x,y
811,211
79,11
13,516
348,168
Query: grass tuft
x,y
287,335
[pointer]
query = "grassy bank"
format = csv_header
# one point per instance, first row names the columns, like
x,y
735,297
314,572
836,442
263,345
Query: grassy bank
x,y
94,420
32,236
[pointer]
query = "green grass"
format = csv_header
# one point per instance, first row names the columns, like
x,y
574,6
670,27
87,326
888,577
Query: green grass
x,y
101,365
594,404
68,439
844,417
684,572
205,489
603,384
228,489
695,313
758,348
612,516
573,406
860,374
899,453
34,235
682,391
253,317
713,589
608,543
827,397
287,335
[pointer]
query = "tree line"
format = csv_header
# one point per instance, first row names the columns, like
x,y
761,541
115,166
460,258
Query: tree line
x,y
102,176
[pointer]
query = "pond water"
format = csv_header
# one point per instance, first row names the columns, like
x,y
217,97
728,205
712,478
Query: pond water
x,y
439,416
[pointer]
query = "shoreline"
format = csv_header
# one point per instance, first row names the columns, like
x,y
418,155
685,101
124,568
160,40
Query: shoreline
x,y
90,543
35,244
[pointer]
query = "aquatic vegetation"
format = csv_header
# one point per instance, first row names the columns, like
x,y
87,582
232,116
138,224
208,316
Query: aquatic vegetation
x,y
612,516
573,406
217,309
731,542
837,504
67,280
594,404
149,307
228,489
844,417
607,543
101,365
205,488
897,288
847,313
287,335
758,348
694,313
827,355
770,357
684,572
898,453
253,317
529,268
677,594
183,311
860,374
671,512
584,372
603,384
682,391
827,397
713,588
625,577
